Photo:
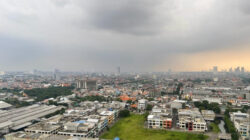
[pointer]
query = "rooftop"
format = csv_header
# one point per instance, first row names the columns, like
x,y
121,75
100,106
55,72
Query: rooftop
x,y
4,105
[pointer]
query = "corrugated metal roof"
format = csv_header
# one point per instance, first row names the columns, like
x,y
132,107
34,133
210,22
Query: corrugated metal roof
x,y
4,105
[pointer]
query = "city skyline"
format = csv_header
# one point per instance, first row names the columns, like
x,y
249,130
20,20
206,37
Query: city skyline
x,y
137,35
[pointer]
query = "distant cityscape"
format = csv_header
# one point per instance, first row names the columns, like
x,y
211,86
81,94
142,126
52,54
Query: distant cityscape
x,y
66,105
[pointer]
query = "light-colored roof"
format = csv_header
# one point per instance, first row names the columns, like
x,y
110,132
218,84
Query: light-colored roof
x,y
4,105
150,116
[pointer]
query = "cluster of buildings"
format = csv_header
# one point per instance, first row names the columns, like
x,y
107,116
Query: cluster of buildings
x,y
18,118
172,96
180,119
160,118
241,122
85,122
191,120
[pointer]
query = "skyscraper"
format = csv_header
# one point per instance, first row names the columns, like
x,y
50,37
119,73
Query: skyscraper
x,y
118,70
231,70
237,70
242,70
215,69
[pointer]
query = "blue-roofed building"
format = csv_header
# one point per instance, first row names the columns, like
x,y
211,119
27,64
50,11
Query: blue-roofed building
x,y
80,121
117,92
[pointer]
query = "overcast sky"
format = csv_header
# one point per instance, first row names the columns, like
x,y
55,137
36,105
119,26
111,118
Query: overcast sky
x,y
137,35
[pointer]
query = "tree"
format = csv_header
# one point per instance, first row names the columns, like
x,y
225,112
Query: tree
x,y
118,99
230,128
150,99
124,113
183,105
51,92
206,106
149,107
205,103
129,101
146,114
197,104
245,109
229,103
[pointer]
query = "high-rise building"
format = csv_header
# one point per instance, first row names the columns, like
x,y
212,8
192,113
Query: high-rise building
x,y
118,70
231,70
87,84
237,70
80,84
242,70
57,74
215,69
91,85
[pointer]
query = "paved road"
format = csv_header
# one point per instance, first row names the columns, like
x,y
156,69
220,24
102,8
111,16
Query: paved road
x,y
212,136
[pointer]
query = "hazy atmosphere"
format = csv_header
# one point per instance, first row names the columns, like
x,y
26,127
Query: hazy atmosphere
x,y
137,35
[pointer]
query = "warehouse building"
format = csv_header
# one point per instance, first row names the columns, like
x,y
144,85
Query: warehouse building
x,y
18,118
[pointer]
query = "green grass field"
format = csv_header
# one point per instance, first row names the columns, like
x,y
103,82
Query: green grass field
x,y
131,128
215,128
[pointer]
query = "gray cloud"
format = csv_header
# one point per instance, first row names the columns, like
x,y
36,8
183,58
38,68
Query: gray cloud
x,y
132,16
20,54
134,34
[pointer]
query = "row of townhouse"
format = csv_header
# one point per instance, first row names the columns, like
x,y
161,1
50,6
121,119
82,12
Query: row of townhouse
x,y
242,123
160,118
191,120
111,115
160,121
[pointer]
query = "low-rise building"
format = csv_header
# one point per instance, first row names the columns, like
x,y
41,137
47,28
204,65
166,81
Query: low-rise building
x,y
160,118
142,104
112,115
241,122
26,136
191,120
4,105
15,119
44,128
37,136
208,115
79,128
163,121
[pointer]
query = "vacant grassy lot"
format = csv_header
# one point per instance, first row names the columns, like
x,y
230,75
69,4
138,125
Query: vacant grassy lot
x,y
215,128
131,128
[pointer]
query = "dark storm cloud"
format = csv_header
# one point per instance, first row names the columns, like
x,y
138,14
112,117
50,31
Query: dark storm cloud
x,y
140,17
